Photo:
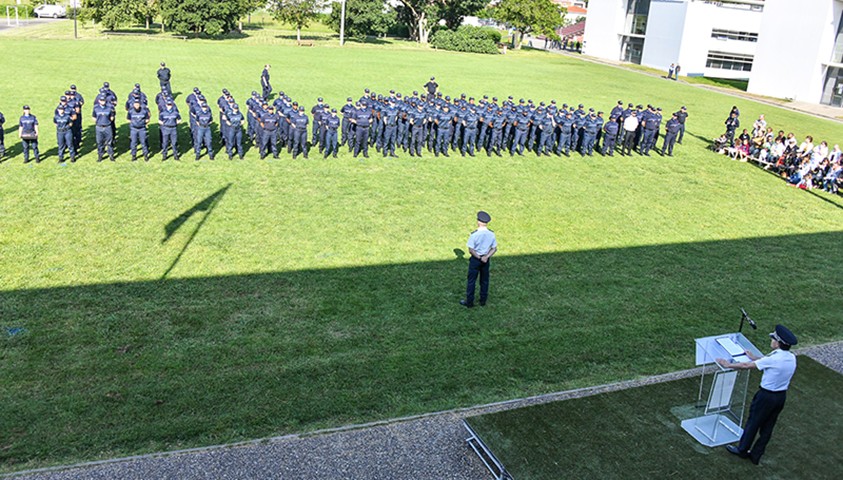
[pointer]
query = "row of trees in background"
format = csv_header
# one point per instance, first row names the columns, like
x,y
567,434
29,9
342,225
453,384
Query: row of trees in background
x,y
363,17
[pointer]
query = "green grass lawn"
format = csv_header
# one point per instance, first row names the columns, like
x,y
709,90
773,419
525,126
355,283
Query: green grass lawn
x,y
307,294
636,433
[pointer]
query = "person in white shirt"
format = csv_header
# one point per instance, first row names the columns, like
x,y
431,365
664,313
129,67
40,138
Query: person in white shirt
x,y
630,125
482,244
778,368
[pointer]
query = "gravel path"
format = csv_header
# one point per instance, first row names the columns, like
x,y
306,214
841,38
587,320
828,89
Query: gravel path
x,y
423,447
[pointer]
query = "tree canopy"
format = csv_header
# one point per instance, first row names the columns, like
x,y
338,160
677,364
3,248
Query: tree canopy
x,y
530,16
203,16
362,17
298,13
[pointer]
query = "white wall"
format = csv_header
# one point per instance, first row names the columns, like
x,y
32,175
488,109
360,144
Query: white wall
x,y
603,29
792,49
665,27
697,40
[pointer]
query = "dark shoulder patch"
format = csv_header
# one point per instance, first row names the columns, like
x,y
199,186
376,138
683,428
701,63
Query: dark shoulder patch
x,y
489,229
474,232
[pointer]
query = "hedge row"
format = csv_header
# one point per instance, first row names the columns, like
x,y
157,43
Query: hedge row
x,y
467,39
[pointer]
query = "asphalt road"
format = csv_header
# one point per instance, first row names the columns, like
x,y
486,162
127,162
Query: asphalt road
x,y
24,23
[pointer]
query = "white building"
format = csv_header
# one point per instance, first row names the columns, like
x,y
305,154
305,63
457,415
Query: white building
x,y
785,48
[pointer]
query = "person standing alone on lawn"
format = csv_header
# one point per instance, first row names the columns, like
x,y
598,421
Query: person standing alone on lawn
x,y
778,367
267,88
482,244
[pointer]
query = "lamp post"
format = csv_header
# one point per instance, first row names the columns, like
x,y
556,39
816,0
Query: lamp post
x,y
75,14
342,24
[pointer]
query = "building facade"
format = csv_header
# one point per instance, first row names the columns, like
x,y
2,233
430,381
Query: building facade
x,y
784,48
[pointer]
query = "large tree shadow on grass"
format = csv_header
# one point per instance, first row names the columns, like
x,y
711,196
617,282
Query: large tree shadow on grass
x,y
154,365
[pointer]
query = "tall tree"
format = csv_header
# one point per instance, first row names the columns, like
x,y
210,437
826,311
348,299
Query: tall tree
x,y
453,11
362,17
530,16
422,15
114,13
298,13
203,16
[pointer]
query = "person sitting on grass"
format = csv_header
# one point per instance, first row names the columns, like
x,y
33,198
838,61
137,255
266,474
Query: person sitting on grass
x,y
741,152
798,176
721,145
744,136
830,181
819,153
806,146
776,153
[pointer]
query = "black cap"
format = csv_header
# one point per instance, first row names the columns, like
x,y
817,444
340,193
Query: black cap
x,y
620,102
483,217
235,106
630,105
433,78
580,105
137,85
73,87
319,99
683,108
349,99
333,110
225,91
105,84
63,99
68,92
301,109
783,335
415,92
162,64
26,107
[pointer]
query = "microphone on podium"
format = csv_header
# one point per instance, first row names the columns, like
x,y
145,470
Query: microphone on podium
x,y
751,321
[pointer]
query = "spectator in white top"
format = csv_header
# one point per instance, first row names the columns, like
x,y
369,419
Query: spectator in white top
x,y
760,124
806,146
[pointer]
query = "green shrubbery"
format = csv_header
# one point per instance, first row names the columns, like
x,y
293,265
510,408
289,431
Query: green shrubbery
x,y
467,39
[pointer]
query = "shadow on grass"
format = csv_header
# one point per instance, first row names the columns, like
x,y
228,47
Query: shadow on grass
x,y
154,365
611,434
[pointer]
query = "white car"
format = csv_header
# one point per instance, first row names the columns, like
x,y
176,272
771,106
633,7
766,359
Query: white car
x,y
51,11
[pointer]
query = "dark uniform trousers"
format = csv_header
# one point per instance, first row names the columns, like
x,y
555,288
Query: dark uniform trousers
x,y
669,141
477,268
763,413
330,142
105,140
169,138
138,136
65,141
361,142
234,140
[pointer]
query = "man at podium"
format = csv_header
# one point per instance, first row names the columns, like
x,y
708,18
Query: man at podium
x,y
778,368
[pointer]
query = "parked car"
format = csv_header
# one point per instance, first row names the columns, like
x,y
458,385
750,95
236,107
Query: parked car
x,y
50,11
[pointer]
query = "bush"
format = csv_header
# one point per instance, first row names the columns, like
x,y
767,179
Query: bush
x,y
493,33
466,39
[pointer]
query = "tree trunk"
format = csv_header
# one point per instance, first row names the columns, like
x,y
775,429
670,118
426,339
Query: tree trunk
x,y
240,26
147,22
298,34
424,32
517,37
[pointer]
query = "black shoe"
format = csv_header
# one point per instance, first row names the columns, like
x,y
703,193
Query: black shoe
x,y
482,303
734,451
465,304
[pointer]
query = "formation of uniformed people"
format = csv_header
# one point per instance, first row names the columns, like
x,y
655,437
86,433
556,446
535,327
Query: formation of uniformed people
x,y
390,123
